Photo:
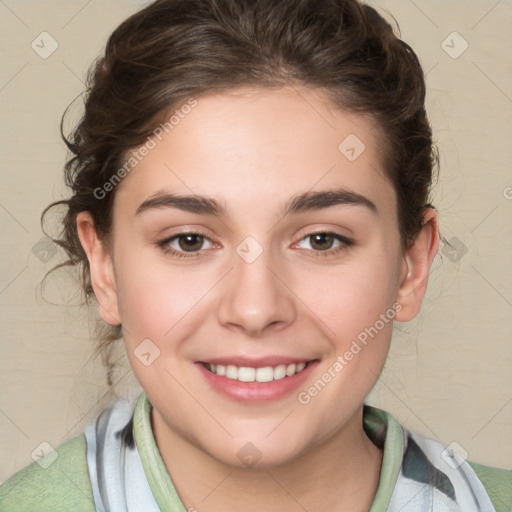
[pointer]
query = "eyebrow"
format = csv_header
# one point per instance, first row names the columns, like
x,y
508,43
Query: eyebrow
x,y
307,201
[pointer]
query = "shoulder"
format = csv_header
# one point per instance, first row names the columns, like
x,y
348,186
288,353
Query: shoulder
x,y
56,482
497,483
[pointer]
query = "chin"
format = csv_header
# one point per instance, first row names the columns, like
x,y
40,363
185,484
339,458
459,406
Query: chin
x,y
256,454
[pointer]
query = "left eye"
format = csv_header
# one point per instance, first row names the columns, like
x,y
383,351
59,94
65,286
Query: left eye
x,y
324,241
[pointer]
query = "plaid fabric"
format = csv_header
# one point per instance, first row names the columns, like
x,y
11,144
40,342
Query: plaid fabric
x,y
417,475
433,478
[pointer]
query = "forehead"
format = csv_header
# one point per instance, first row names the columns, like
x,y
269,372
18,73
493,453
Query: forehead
x,y
256,146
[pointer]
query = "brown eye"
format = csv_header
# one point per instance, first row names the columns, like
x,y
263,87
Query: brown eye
x,y
325,243
321,241
185,245
190,242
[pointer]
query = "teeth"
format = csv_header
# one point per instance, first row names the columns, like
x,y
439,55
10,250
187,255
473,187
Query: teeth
x,y
248,374
265,374
280,372
290,370
231,372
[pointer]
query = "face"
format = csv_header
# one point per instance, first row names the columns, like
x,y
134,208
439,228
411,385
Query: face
x,y
256,270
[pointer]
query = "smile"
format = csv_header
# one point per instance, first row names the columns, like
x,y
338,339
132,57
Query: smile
x,y
263,374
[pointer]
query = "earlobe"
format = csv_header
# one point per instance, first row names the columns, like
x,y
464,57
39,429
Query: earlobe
x,y
416,267
101,269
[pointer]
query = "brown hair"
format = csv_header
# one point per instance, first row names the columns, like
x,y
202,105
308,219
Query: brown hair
x,y
174,49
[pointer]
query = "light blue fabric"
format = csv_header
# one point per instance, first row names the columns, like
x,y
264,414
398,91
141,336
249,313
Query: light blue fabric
x,y
120,458
417,474
117,476
433,462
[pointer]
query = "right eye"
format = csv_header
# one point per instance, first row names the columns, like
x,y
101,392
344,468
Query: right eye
x,y
182,243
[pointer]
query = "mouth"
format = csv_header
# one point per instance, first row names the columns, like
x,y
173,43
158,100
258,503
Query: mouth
x,y
257,381
260,374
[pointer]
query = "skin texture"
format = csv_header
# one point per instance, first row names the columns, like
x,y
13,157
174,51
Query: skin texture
x,y
253,149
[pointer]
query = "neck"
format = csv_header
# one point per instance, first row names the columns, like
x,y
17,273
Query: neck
x,y
342,473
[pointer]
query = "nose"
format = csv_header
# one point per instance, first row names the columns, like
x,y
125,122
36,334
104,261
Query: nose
x,y
255,298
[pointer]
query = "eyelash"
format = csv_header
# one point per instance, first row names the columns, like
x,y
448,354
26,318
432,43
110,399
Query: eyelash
x,y
164,244
181,254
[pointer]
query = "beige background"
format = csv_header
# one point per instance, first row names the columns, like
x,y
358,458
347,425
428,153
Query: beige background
x,y
448,375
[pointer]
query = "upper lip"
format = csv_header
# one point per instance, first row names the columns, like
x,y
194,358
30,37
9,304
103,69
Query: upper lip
x,y
259,362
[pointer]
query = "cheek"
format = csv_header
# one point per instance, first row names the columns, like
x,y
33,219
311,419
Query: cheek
x,y
357,304
351,297
157,308
156,300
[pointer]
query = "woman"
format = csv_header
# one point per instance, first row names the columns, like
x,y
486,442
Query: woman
x,y
250,210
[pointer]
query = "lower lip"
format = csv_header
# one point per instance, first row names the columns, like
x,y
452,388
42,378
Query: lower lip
x,y
256,392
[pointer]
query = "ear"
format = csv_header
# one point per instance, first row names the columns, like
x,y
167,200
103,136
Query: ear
x,y
416,266
101,268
